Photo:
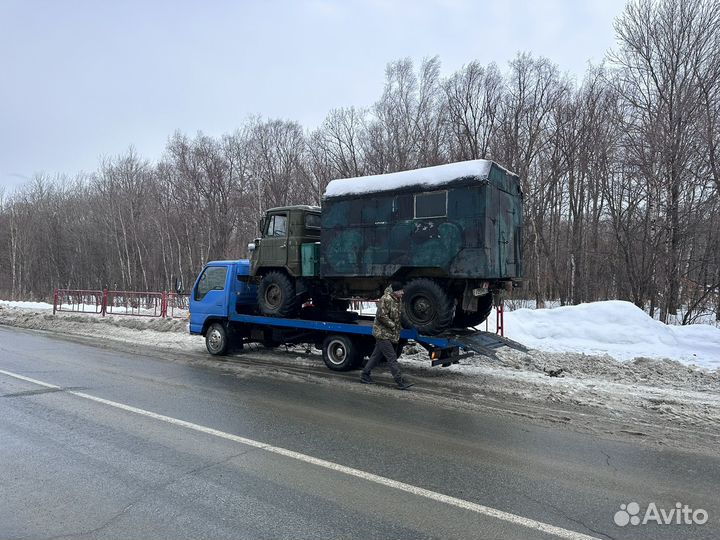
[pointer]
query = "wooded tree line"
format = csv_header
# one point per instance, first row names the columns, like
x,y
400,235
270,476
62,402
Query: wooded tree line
x,y
621,174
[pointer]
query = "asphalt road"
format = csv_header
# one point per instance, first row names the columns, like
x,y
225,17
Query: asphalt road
x,y
106,444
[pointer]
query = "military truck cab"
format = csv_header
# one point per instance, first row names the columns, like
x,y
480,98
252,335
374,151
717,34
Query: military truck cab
x,y
284,230
276,257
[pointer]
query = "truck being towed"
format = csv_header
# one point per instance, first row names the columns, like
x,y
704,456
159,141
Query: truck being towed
x,y
452,234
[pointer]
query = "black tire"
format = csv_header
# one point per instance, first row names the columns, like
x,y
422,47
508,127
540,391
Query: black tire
x,y
340,353
276,295
465,320
217,341
427,307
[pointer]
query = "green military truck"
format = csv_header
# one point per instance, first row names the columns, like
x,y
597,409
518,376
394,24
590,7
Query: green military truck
x,y
452,234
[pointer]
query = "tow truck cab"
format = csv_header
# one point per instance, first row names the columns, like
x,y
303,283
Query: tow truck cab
x,y
218,291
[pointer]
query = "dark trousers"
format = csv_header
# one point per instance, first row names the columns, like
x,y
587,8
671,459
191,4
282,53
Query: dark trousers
x,y
385,348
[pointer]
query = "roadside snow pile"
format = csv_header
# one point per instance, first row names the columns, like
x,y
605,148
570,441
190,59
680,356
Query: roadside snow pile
x,y
619,329
153,332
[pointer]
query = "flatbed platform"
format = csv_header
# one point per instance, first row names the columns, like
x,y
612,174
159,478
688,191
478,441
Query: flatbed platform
x,y
477,341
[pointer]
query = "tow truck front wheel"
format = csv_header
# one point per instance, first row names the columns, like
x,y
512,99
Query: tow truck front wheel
x,y
340,353
216,339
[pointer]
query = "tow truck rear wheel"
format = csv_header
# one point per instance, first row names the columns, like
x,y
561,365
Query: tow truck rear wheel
x,y
340,353
217,341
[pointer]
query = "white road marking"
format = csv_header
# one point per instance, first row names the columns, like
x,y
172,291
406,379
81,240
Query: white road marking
x,y
370,477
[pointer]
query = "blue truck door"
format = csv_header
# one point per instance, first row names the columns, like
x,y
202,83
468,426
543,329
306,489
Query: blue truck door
x,y
209,296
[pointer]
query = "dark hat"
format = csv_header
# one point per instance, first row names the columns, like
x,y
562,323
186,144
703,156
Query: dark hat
x,y
396,286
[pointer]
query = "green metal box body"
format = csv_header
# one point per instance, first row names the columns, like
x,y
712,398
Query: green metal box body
x,y
476,233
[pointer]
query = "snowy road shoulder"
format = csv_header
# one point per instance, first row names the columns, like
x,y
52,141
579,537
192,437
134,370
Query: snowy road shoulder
x,y
645,396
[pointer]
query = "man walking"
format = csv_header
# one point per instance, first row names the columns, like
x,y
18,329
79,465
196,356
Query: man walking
x,y
386,330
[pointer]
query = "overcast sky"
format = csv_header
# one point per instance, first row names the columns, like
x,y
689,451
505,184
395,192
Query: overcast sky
x,y
79,80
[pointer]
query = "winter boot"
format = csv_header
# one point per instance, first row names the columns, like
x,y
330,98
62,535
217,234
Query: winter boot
x,y
366,379
402,384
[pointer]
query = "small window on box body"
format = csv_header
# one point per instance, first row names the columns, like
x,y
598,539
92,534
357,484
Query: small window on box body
x,y
431,205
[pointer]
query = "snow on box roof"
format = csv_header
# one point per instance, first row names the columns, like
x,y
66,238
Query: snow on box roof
x,y
427,177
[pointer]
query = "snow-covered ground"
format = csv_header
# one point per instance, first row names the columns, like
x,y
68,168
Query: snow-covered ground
x,y
615,328
706,316
26,305
120,309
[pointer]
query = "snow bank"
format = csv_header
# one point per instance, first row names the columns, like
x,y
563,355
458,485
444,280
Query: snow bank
x,y
26,305
619,329
428,176
121,309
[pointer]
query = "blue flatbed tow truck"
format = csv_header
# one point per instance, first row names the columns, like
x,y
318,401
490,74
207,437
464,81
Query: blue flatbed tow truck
x,y
223,309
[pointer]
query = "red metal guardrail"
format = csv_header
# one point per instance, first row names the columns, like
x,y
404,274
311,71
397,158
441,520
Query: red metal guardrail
x,y
137,303
170,304
177,305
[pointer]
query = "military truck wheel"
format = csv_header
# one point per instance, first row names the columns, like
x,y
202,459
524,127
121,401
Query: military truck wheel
x,y
464,320
217,341
276,295
427,307
340,353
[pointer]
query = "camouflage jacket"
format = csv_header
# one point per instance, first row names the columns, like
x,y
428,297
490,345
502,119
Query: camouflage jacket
x,y
387,323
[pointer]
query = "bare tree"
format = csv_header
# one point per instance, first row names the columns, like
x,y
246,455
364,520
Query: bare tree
x,y
664,49
473,95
